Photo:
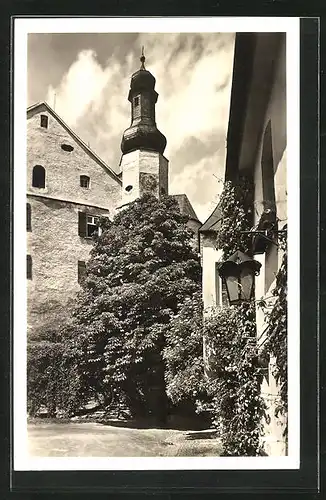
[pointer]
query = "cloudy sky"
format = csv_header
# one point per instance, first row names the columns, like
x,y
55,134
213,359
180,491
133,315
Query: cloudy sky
x,y
87,77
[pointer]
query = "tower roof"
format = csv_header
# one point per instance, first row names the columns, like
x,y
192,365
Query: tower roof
x,y
142,133
142,79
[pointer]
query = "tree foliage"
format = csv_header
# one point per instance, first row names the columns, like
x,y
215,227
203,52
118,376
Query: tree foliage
x,y
235,387
141,270
183,354
54,382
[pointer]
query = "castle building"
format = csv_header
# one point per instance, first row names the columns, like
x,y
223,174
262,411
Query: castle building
x,y
69,187
256,148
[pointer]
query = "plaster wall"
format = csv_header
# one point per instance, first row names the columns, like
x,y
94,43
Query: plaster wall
x,y
144,171
276,115
210,256
270,260
63,168
55,248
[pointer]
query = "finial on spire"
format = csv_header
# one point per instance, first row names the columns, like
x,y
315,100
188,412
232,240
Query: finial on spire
x,y
142,58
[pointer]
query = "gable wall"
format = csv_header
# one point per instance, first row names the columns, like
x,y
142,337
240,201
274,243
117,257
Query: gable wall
x,y
63,169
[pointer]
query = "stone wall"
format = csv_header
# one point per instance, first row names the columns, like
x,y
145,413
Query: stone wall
x,y
54,243
64,168
55,248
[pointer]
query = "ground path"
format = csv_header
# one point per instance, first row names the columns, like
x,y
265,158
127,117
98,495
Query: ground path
x,y
98,440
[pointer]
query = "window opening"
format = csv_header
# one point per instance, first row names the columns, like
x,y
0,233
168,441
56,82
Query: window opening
x,y
38,176
28,217
44,121
91,225
88,225
267,166
136,101
29,267
67,147
84,181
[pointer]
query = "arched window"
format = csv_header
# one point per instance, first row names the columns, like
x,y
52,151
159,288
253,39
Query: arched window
x,y
28,217
38,176
84,181
267,166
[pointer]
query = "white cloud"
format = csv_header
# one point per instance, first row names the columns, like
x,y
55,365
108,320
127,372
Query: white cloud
x,y
193,75
81,85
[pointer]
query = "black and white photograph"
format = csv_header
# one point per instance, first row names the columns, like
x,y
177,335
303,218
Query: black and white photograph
x,y
157,188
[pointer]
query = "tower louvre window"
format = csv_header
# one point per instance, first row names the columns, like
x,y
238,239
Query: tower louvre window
x,y
28,217
29,267
81,271
44,121
38,179
84,181
136,101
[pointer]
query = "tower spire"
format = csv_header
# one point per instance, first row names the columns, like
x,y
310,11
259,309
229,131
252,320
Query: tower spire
x,y
142,133
142,58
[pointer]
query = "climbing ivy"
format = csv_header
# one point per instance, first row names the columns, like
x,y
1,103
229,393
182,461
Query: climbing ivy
x,y
231,337
238,405
231,334
275,343
236,217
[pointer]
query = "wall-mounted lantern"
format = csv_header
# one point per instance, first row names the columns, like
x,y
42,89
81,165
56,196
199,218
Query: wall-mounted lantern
x,y
238,274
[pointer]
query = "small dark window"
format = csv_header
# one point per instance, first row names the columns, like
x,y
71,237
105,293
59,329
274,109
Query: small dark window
x,y
81,271
129,188
38,176
67,147
136,101
29,267
28,217
84,181
44,121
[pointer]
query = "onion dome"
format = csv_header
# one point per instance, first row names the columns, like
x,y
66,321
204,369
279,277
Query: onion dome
x,y
142,133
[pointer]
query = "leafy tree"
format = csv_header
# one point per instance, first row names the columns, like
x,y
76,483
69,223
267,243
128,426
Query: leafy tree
x,y
141,270
183,355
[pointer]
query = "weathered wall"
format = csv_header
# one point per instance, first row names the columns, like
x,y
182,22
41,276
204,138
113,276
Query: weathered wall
x,y
53,242
63,169
55,248
142,169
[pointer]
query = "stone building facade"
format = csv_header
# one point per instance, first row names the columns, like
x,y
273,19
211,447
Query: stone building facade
x,y
69,187
256,147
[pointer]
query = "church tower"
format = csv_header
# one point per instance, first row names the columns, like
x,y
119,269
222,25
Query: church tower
x,y
143,166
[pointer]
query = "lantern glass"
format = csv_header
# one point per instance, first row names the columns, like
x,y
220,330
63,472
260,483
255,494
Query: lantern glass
x,y
246,283
232,286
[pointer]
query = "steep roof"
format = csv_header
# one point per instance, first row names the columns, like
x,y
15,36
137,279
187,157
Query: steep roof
x,y
185,206
213,222
35,108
